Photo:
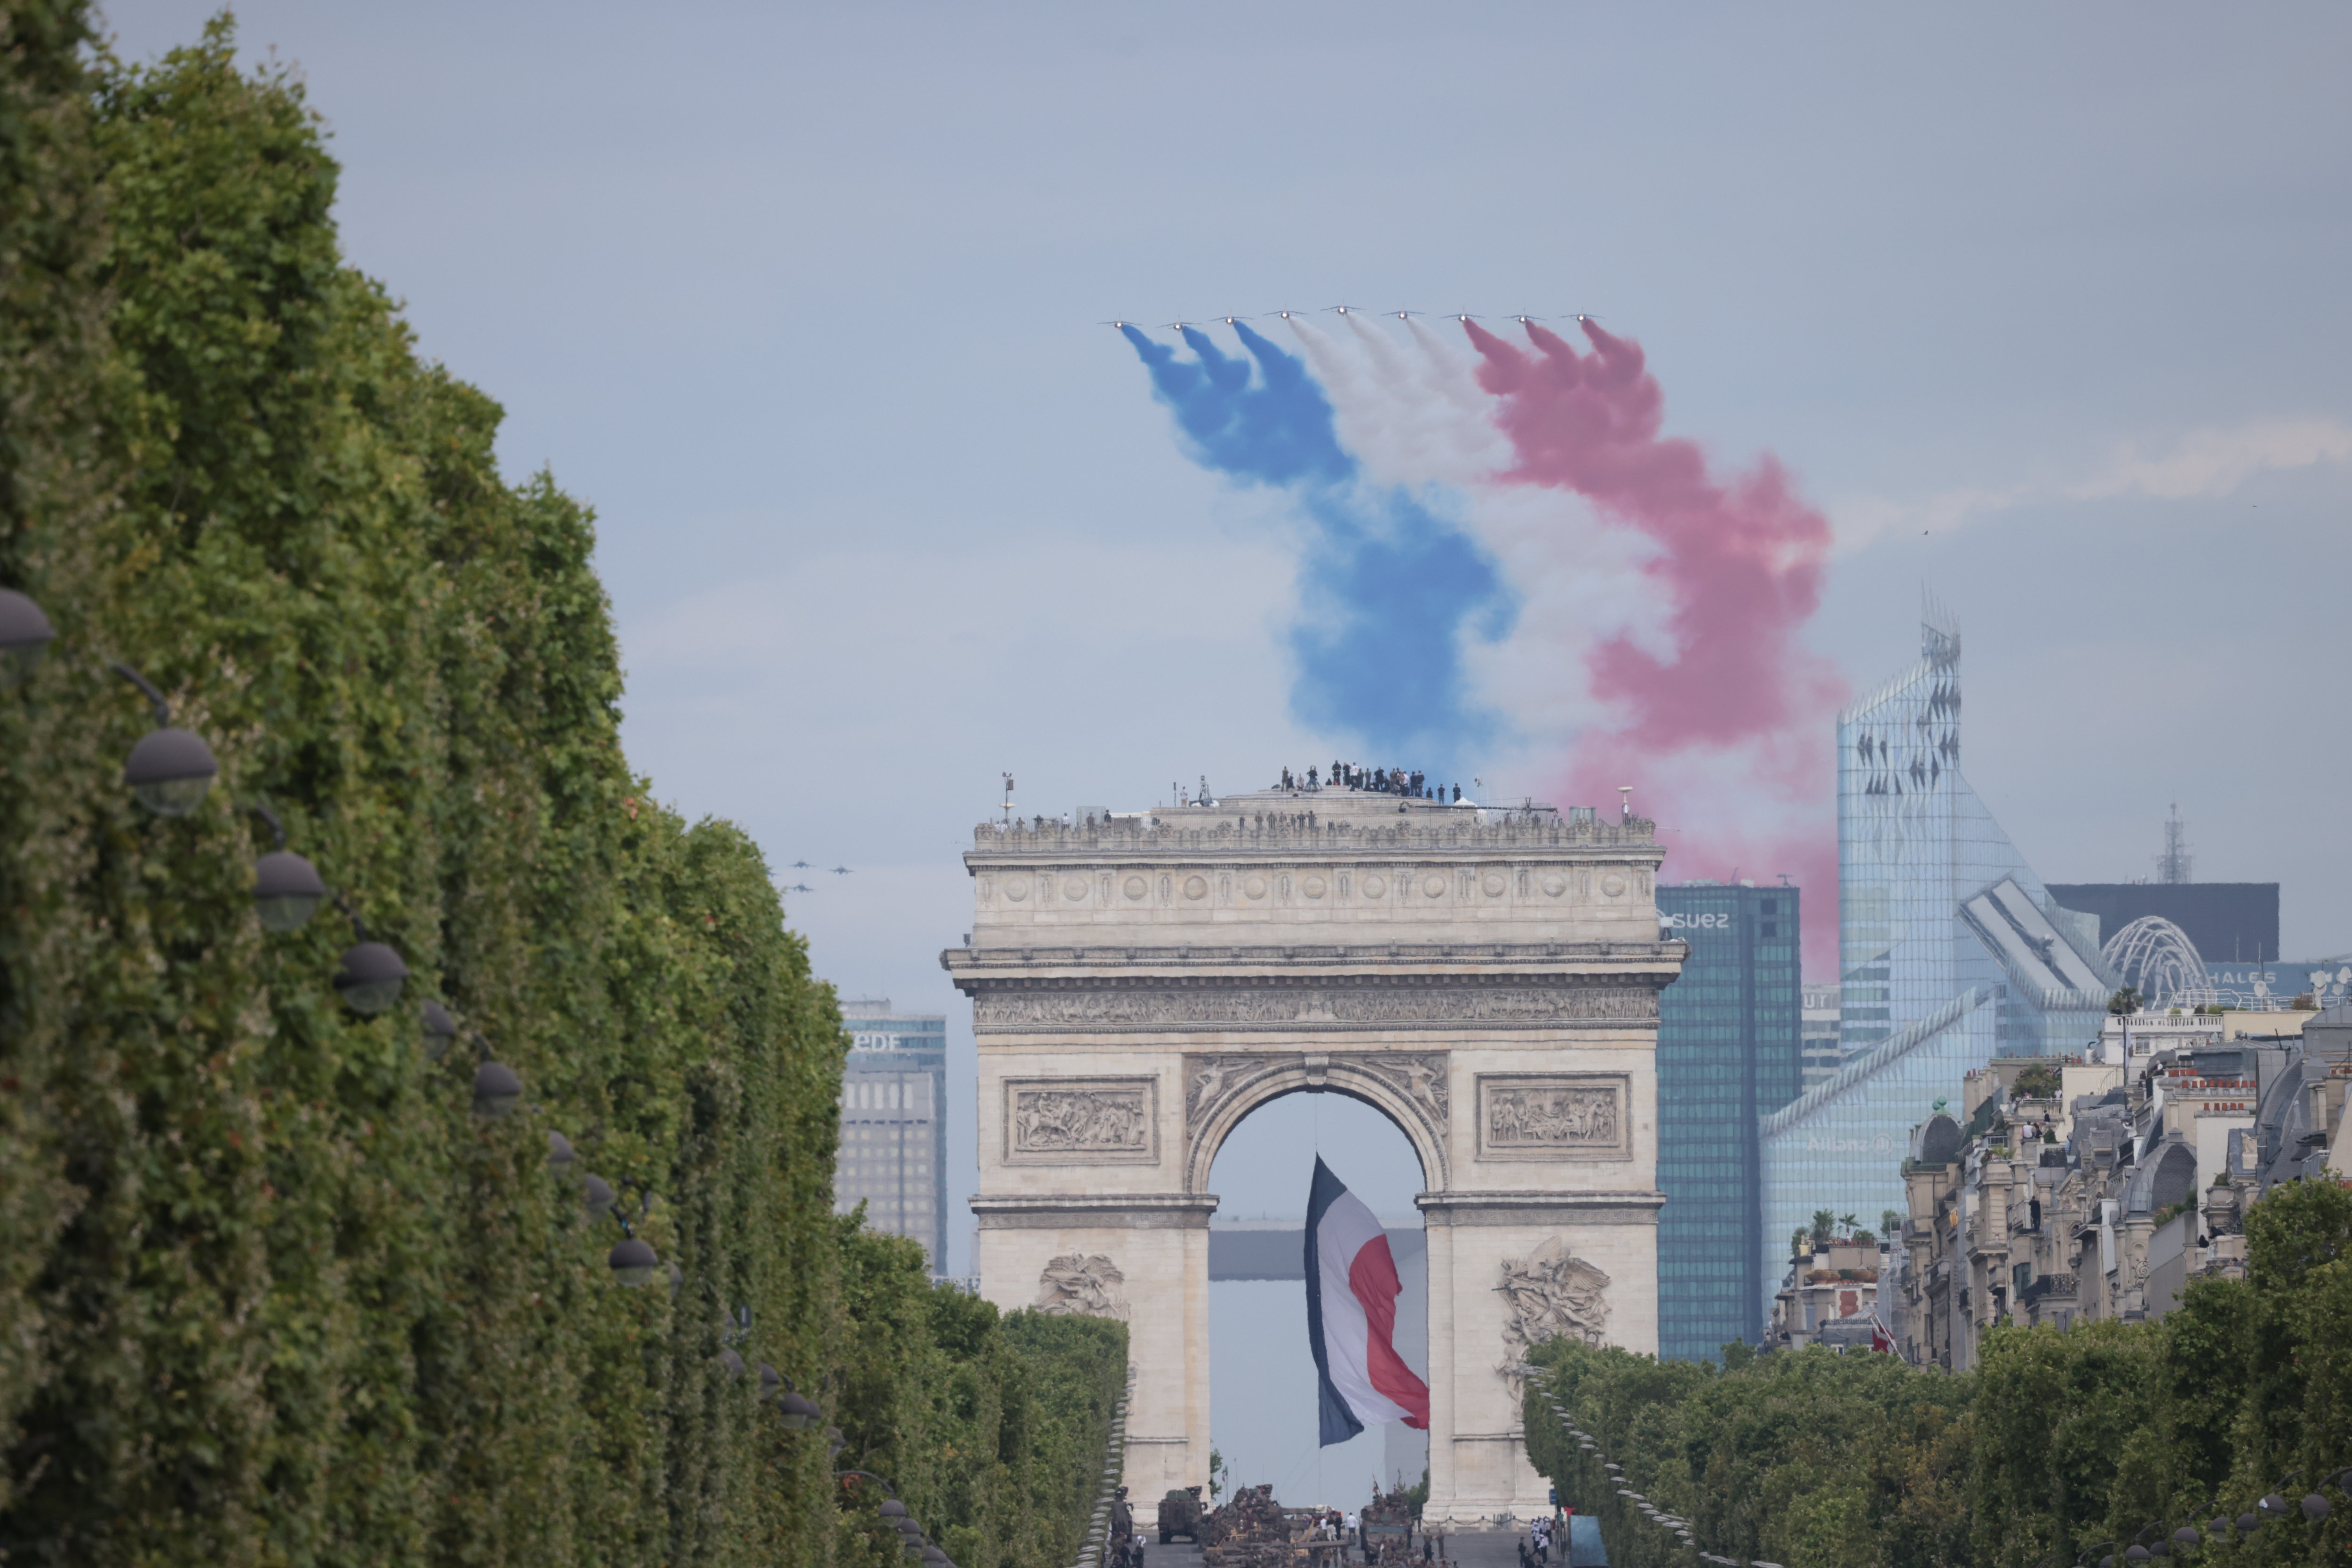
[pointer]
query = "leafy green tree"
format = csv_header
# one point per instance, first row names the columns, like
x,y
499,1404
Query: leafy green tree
x,y
1856,1458
272,1294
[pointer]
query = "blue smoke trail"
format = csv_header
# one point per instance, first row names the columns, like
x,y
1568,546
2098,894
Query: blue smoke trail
x,y
1390,587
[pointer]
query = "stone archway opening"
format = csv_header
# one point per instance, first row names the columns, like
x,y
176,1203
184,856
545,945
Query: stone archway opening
x,y
1262,1379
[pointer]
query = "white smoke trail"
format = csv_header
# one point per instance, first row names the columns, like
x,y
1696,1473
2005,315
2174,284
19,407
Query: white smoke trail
x,y
1409,423
1417,415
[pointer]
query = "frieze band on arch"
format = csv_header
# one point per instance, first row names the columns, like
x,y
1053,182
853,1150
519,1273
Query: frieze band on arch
x,y
1313,1004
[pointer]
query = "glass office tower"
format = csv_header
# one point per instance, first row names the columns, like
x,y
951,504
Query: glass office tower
x,y
1727,1053
1823,1052
1950,950
894,1130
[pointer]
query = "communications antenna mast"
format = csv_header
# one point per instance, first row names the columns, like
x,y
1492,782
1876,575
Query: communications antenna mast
x,y
2172,866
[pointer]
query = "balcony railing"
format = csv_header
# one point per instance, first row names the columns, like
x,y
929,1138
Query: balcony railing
x,y
2046,1285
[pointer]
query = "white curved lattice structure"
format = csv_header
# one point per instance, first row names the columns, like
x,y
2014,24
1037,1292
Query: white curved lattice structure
x,y
2158,957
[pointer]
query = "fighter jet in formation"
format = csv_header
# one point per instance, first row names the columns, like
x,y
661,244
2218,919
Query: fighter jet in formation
x,y
800,888
802,866
841,870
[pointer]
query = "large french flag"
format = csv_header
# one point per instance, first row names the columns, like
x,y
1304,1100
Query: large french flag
x,y
1352,1292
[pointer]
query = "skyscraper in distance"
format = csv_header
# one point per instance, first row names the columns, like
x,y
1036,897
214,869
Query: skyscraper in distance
x,y
893,1155
1728,1054
1950,951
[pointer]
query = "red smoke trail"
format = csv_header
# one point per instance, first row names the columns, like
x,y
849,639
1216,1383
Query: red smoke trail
x,y
1737,708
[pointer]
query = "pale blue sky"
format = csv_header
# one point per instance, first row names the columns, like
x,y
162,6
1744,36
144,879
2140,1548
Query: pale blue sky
x,y
2045,306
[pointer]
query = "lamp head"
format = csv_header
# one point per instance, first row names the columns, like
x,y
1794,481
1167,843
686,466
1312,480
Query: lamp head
x,y
287,891
497,1090
632,1261
24,635
370,977
440,1028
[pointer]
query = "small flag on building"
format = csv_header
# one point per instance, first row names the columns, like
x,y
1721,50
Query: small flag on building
x,y
1352,1292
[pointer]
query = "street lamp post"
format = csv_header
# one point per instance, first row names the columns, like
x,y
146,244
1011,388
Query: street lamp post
x,y
895,1514
169,768
25,633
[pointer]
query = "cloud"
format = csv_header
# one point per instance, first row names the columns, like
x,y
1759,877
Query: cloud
x,y
2201,465
2215,462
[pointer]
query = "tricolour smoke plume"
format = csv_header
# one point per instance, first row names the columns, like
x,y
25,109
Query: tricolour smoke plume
x,y
1510,565
1719,715
1391,589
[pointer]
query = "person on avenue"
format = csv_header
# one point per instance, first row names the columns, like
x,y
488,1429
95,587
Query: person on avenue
x,y
1122,1525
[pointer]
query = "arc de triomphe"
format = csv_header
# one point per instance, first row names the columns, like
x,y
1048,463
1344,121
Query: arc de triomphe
x,y
1487,979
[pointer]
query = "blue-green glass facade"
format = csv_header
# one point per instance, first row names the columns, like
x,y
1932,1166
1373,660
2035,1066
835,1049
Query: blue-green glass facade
x,y
1728,1052
1950,951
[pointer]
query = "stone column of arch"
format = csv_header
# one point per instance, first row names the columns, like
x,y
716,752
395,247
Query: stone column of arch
x,y
1486,979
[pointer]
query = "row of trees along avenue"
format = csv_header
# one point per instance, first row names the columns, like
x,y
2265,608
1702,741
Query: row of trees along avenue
x,y
278,1283
2219,1435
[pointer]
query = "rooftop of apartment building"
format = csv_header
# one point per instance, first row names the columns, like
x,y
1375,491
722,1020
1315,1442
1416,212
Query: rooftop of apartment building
x,y
2072,1187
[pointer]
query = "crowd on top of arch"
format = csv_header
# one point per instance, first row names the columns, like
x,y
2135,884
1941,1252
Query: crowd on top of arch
x,y
1412,786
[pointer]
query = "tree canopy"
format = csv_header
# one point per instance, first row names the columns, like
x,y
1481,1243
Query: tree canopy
x,y
272,1292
